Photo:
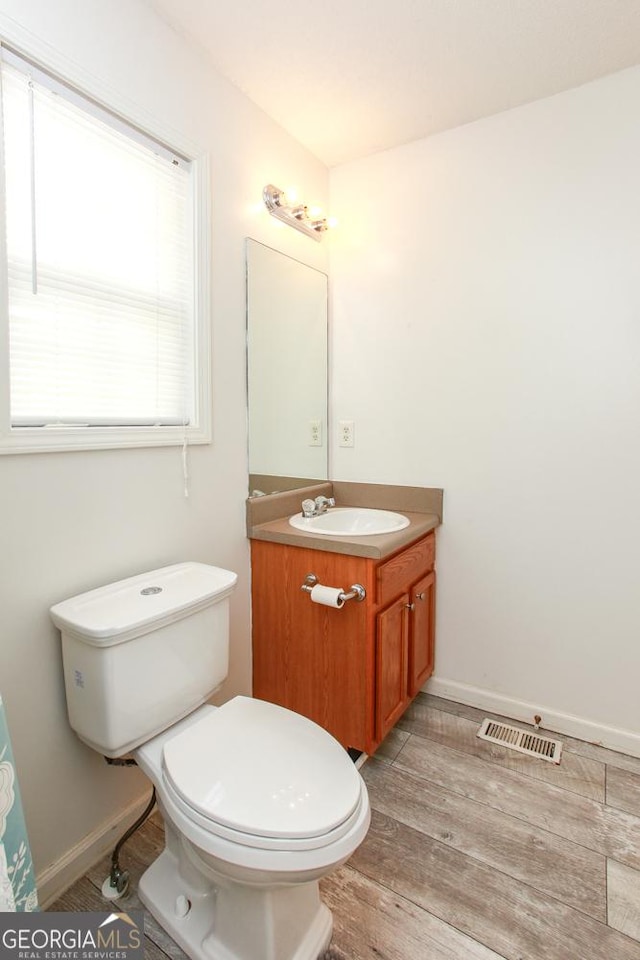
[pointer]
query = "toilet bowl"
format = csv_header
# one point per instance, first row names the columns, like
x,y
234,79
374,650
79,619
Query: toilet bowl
x,y
258,802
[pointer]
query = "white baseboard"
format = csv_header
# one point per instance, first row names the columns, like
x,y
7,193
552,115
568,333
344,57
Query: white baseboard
x,y
60,875
614,738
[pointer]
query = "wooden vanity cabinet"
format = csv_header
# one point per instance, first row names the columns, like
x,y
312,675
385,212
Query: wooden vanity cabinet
x,y
404,625
353,670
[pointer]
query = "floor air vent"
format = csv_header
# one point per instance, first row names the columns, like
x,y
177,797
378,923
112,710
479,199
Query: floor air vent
x,y
521,740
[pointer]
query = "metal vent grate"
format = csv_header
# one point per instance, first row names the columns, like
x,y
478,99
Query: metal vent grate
x,y
521,740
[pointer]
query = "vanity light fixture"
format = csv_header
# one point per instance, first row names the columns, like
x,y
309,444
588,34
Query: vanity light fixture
x,y
295,214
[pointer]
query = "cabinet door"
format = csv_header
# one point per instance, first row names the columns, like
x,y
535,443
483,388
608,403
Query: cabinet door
x,y
392,639
315,660
421,634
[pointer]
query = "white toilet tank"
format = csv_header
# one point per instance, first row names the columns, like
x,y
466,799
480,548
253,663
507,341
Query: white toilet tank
x,y
141,653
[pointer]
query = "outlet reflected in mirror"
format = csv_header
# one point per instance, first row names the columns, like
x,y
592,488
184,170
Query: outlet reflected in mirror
x,y
286,370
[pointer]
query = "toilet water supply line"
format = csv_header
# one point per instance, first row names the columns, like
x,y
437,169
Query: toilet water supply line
x,y
116,884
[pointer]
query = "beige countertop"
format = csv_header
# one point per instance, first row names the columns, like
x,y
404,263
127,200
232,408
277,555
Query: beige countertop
x,y
268,517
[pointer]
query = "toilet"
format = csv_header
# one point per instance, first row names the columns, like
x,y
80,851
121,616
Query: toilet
x,y
258,802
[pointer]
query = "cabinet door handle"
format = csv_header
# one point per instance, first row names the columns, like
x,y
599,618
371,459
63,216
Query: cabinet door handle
x,y
410,606
420,596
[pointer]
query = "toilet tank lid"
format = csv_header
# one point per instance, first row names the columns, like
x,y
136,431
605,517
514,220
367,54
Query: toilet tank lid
x,y
122,610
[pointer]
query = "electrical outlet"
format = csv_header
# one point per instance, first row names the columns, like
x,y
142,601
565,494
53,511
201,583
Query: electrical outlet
x,y
345,433
315,433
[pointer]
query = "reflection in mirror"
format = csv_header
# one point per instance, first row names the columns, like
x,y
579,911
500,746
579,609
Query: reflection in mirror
x,y
286,370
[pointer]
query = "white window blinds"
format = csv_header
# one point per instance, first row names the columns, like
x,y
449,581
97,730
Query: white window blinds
x,y
100,263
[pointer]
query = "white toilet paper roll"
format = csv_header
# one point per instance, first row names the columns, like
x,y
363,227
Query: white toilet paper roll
x,y
329,596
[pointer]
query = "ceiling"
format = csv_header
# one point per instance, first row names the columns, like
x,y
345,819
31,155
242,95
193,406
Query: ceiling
x,y
351,77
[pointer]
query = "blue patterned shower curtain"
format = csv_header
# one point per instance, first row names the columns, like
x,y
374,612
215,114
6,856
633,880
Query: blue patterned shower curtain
x,y
17,879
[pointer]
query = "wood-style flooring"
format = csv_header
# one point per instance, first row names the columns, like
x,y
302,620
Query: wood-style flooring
x,y
474,853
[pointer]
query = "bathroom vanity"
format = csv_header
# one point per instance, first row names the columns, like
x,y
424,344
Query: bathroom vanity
x,y
353,669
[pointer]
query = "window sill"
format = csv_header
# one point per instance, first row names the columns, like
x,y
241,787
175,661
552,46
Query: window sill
x,y
59,439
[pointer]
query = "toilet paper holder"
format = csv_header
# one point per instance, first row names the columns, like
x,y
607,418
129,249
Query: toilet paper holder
x,y
356,591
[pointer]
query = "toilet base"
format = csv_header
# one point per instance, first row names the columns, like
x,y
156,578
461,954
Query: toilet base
x,y
231,921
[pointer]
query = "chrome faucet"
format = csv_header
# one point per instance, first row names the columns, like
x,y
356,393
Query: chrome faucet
x,y
313,508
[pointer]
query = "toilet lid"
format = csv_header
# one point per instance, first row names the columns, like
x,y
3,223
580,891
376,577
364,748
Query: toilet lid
x,y
263,770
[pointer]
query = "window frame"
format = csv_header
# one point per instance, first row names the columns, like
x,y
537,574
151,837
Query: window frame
x,y
59,438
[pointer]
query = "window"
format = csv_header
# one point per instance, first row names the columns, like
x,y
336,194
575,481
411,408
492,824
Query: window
x,y
105,277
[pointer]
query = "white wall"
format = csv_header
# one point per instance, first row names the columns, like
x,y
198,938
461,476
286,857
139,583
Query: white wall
x,y
73,521
486,339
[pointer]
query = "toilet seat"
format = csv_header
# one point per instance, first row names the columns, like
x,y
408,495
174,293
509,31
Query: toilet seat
x,y
260,858
258,775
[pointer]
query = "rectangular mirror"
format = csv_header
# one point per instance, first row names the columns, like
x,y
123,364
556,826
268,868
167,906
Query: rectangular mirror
x,y
287,376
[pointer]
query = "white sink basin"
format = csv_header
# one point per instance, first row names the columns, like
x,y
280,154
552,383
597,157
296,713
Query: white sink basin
x,y
351,522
